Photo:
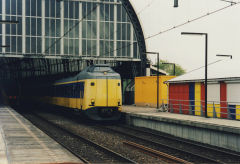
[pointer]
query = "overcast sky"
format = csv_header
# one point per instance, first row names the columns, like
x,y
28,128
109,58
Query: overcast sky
x,y
223,30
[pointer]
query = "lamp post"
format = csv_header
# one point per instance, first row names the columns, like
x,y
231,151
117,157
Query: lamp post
x,y
224,56
156,53
206,59
174,67
175,3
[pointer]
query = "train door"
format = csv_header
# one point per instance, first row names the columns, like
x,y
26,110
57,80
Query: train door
x,y
101,92
112,91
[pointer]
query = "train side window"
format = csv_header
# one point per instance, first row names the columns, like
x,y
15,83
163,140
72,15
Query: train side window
x,y
92,83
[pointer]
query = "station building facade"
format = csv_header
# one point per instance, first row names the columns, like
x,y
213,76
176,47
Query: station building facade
x,y
86,28
57,38
187,92
54,39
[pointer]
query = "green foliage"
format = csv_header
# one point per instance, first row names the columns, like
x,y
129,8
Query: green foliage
x,y
169,68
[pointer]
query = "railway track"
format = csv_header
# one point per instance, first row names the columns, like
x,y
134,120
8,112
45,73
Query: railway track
x,y
180,152
175,147
224,155
165,157
94,153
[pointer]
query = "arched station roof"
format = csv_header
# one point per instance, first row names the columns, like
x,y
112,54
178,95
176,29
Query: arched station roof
x,y
30,65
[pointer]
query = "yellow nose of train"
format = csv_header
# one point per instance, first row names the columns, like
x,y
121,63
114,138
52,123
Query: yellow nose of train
x,y
96,92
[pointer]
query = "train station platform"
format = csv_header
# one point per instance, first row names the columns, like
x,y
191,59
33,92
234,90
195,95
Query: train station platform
x,y
214,131
21,142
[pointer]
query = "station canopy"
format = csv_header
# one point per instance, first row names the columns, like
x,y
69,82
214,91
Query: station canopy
x,y
47,38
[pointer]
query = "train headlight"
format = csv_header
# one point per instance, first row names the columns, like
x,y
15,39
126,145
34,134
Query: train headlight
x,y
92,102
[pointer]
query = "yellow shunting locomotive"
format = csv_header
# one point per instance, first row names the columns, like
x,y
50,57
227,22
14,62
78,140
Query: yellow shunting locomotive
x,y
96,91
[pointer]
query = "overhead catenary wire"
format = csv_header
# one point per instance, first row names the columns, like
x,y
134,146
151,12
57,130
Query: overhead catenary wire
x,y
149,37
75,25
193,20
180,25
204,65
232,2
147,6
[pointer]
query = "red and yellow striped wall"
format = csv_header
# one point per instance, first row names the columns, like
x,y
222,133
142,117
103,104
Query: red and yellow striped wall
x,y
191,96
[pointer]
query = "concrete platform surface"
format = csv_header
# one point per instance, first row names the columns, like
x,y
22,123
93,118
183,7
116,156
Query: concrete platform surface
x,y
23,143
213,131
232,126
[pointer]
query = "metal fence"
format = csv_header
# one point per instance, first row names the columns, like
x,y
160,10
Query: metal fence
x,y
215,109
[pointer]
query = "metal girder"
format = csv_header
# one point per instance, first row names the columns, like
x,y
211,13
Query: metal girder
x,y
139,33
23,65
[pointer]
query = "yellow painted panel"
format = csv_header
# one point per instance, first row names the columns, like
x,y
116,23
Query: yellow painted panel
x,y
238,112
164,89
90,92
197,99
104,92
146,90
101,93
210,110
63,101
72,102
218,110
113,90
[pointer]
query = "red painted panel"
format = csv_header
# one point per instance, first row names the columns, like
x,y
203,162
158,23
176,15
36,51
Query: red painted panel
x,y
179,95
203,96
223,99
185,98
173,93
170,95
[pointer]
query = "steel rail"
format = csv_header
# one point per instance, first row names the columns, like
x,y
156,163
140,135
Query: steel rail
x,y
169,158
209,160
183,141
102,148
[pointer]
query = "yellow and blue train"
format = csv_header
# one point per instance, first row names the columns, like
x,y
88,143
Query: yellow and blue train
x,y
96,91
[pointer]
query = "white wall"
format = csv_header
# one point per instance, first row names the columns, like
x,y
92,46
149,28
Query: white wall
x,y
213,92
233,92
